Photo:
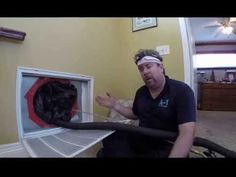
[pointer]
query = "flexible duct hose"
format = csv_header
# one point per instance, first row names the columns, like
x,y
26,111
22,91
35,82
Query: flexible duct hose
x,y
145,131
54,100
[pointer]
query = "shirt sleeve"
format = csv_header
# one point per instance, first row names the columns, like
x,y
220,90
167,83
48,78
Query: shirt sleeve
x,y
134,108
186,108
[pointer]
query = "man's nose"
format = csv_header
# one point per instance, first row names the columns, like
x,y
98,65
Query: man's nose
x,y
145,71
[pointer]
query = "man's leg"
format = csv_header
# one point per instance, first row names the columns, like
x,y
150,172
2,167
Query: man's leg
x,y
117,145
150,147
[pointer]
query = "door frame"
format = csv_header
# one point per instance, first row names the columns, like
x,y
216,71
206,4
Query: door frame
x,y
188,46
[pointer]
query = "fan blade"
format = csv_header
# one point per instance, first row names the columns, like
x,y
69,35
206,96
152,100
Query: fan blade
x,y
232,20
217,32
213,26
233,23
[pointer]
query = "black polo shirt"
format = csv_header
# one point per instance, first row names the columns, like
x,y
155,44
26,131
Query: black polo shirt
x,y
175,105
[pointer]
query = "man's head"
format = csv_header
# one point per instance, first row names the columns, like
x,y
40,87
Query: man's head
x,y
150,66
150,54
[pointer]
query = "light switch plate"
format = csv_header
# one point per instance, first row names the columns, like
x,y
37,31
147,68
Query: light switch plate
x,y
163,49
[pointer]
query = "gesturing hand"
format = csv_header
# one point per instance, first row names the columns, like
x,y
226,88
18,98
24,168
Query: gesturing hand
x,y
106,101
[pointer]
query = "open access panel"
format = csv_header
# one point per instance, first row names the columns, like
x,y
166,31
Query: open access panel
x,y
41,139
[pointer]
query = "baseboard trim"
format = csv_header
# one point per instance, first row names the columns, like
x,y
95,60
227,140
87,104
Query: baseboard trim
x,y
11,147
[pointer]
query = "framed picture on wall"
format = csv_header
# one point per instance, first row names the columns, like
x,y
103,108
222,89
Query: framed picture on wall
x,y
141,23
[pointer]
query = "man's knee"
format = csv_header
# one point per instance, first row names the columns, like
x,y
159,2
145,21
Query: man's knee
x,y
116,145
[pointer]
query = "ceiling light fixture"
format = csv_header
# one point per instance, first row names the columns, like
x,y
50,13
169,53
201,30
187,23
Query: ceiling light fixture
x,y
227,30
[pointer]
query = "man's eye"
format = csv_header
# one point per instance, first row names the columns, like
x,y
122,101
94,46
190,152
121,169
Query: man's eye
x,y
140,69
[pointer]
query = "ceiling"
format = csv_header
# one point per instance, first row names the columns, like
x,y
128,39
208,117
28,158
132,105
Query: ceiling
x,y
201,33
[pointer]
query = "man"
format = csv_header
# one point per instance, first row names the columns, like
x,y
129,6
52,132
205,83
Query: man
x,y
162,103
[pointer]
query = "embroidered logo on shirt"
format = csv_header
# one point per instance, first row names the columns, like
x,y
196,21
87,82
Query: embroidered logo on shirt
x,y
163,103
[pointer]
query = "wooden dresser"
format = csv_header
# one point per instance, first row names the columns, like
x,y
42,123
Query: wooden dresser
x,y
217,96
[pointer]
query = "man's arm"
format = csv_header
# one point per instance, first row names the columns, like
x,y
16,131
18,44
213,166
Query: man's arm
x,y
125,111
184,141
112,103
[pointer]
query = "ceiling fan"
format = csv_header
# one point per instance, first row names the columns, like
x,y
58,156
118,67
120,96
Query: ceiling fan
x,y
225,26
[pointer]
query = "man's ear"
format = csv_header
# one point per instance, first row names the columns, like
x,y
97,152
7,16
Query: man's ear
x,y
161,66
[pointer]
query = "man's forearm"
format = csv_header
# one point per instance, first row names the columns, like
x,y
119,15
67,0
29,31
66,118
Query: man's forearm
x,y
182,146
125,111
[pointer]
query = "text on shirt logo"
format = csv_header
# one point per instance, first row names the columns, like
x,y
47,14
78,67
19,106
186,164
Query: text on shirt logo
x,y
163,103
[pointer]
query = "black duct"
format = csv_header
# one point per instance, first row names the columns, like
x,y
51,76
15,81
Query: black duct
x,y
211,146
53,103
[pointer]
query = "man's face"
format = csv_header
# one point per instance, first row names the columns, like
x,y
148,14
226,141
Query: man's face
x,y
152,74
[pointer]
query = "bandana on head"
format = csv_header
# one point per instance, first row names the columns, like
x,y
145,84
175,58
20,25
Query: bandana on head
x,y
147,59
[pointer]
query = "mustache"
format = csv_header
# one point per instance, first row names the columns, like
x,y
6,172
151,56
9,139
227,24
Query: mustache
x,y
147,77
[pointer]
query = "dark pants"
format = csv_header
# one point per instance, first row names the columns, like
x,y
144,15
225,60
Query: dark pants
x,y
123,144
